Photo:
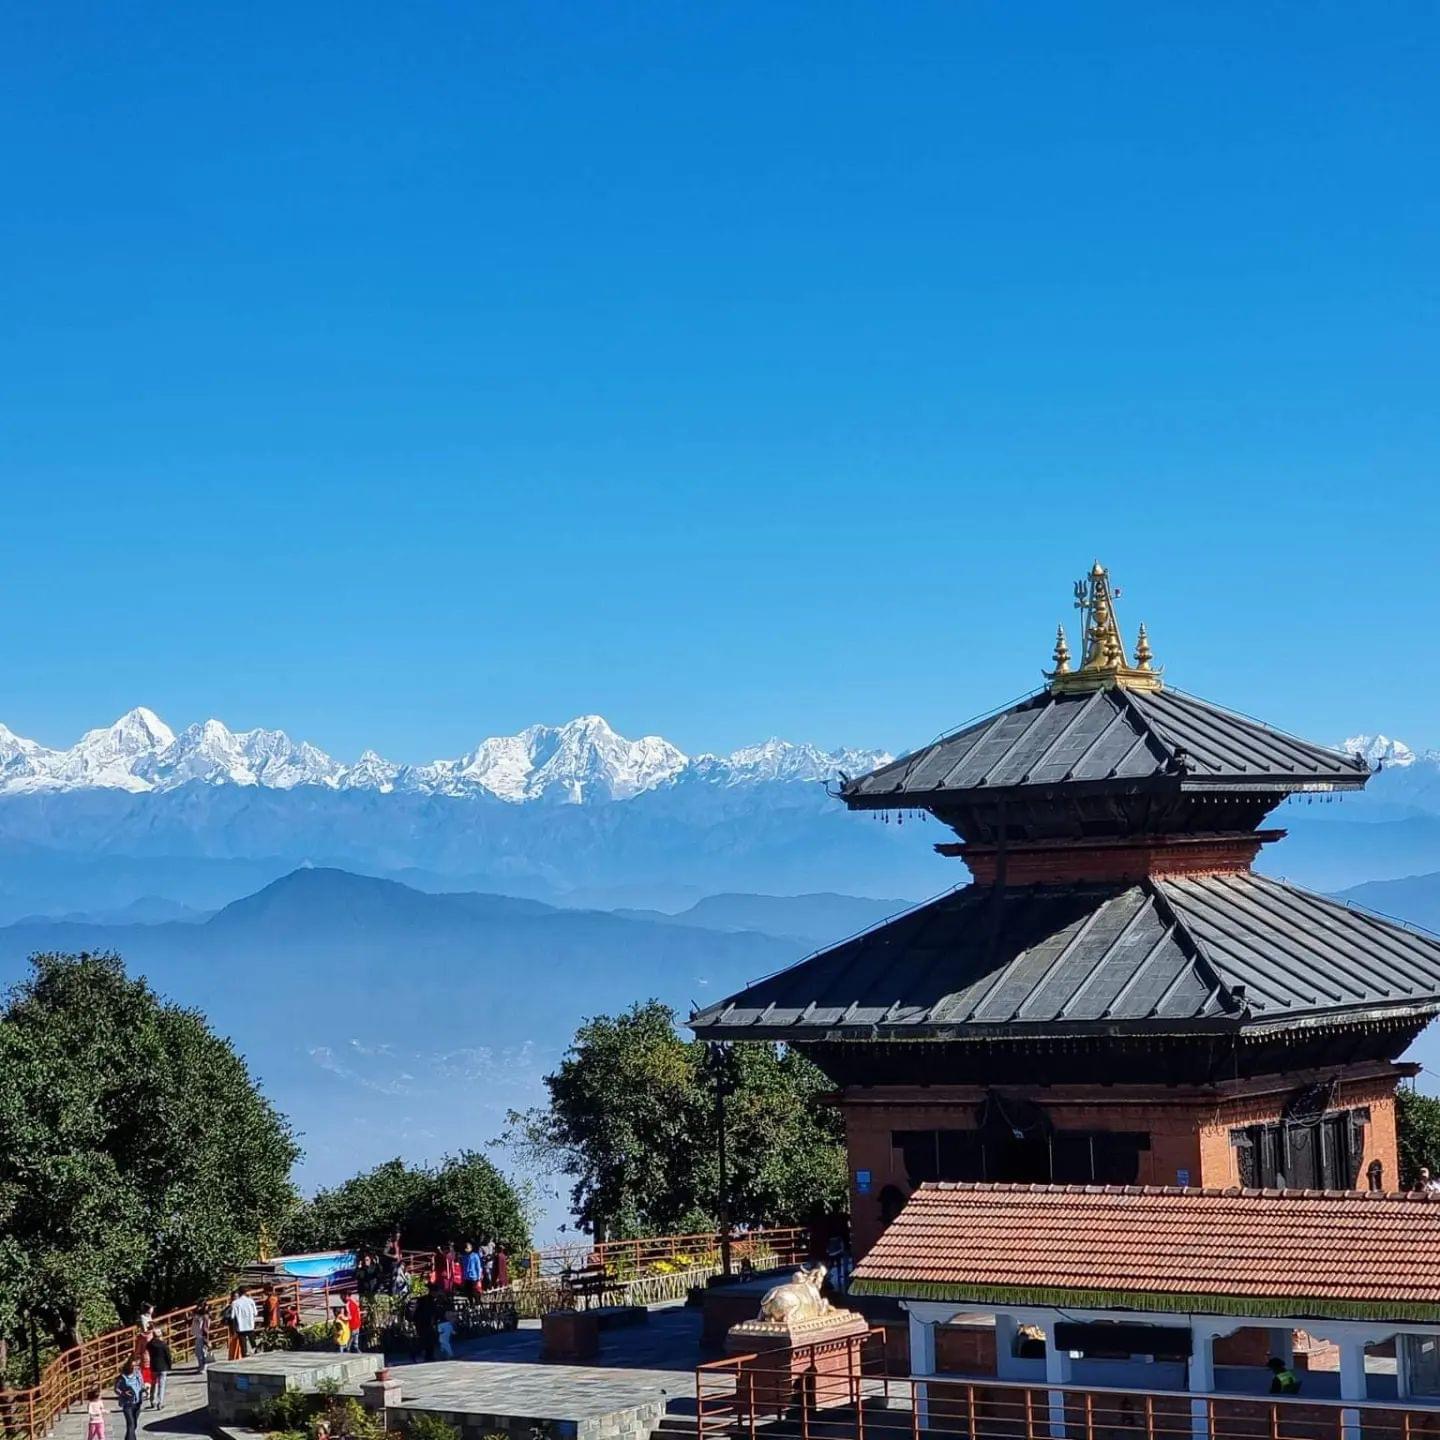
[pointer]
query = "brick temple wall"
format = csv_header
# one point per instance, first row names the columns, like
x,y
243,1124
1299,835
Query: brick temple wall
x,y
1189,1129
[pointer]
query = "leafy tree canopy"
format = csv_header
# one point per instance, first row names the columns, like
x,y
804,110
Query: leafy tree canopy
x,y
138,1159
1417,1119
631,1120
463,1198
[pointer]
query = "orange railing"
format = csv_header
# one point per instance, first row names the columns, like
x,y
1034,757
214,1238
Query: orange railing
x,y
65,1380
838,1390
629,1259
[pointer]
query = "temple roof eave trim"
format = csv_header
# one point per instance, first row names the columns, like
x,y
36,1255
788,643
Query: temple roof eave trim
x,y
1248,1028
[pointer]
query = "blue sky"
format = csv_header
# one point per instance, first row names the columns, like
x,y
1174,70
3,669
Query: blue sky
x,y
404,374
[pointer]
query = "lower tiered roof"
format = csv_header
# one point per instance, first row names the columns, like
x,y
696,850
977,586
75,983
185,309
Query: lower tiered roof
x,y
1181,954
1299,1253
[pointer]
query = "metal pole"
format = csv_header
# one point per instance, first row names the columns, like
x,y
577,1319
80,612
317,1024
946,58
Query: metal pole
x,y
719,1057
724,1198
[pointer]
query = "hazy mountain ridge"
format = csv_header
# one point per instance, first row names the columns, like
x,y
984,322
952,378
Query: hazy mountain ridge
x,y
384,1019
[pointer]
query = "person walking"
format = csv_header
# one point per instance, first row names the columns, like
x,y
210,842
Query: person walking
x,y
160,1363
271,1308
130,1392
472,1269
147,1318
502,1267
95,1413
243,1315
200,1337
355,1320
142,1361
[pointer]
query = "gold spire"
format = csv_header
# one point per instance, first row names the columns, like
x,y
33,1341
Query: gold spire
x,y
1062,652
1102,662
1144,655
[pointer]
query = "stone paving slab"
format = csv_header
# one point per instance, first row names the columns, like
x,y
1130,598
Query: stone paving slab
x,y
539,1392
518,1400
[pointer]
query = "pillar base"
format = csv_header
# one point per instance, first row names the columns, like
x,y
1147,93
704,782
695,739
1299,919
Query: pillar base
x,y
822,1356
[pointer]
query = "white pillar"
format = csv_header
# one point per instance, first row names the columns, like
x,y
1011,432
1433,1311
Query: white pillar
x,y
1201,1379
1352,1382
922,1362
1057,1372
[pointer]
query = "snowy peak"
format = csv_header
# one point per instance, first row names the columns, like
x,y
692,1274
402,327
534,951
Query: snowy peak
x,y
573,764
109,757
781,760
583,762
1379,750
214,754
370,772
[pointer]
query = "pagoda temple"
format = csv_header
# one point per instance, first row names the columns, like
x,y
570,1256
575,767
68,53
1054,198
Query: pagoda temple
x,y
1116,997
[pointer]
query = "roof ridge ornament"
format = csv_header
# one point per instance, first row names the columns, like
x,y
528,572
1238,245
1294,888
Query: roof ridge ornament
x,y
1102,662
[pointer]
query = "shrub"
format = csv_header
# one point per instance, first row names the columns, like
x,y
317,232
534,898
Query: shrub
x,y
431,1427
345,1418
289,1411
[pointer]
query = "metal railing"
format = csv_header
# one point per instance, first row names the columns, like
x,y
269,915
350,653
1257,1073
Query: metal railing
x,y
629,1259
32,1412
837,1391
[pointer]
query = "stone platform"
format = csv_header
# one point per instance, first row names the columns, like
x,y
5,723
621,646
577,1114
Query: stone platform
x,y
578,1402
235,1387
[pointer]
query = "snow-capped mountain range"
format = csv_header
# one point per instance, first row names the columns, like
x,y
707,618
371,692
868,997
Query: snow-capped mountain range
x,y
1382,752
582,762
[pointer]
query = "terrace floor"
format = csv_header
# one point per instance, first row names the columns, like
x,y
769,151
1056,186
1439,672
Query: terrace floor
x,y
656,1357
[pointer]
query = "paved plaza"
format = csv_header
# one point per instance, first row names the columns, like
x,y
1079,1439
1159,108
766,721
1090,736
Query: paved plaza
x,y
637,1364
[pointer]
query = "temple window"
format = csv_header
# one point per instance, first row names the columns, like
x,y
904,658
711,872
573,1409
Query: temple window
x,y
1319,1153
1059,1156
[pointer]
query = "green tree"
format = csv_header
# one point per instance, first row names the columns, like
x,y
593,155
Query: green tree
x,y
631,1121
1417,1121
464,1198
138,1160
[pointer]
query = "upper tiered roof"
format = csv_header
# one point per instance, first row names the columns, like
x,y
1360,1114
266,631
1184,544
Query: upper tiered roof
x,y
1062,738
1107,722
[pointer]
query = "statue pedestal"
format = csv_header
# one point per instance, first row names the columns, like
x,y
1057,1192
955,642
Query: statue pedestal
x,y
821,1354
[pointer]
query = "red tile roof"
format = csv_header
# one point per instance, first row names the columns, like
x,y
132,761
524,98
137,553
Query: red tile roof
x,y
1263,1252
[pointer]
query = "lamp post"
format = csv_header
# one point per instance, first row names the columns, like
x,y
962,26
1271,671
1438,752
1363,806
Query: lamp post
x,y
720,1063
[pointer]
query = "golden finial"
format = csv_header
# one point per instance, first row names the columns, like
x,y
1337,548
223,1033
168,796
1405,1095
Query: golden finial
x,y
1144,655
1062,653
1102,663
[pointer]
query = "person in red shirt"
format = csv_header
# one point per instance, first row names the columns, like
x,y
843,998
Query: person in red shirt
x,y
353,1315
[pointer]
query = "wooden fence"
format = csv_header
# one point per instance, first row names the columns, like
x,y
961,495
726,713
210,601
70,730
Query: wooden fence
x,y
763,1249
32,1412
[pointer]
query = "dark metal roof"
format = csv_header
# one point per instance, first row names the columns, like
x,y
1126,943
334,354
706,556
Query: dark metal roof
x,y
1054,739
1220,952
